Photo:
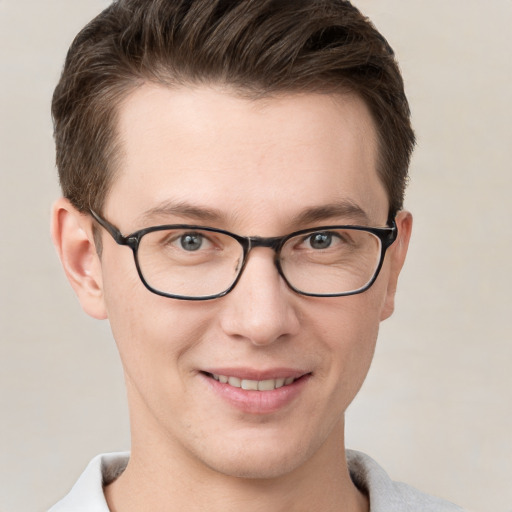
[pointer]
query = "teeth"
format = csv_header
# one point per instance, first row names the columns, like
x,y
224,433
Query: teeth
x,y
234,381
266,385
254,385
250,384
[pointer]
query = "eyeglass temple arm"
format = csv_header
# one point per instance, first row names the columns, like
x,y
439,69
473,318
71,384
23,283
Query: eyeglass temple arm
x,y
114,232
393,234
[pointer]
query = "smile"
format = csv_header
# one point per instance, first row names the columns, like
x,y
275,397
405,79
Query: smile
x,y
253,385
257,392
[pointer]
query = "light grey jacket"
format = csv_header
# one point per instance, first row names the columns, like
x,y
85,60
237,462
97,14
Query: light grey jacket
x,y
388,496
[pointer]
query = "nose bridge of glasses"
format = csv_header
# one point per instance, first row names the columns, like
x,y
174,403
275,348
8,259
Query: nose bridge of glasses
x,y
274,242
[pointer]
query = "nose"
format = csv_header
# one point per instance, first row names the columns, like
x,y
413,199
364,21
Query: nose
x,y
261,307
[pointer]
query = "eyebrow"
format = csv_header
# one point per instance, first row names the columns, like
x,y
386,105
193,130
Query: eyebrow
x,y
344,209
182,209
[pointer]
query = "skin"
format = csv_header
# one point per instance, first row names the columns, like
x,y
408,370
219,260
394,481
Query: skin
x,y
253,168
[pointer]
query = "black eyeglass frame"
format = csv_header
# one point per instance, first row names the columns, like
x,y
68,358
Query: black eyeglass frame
x,y
386,235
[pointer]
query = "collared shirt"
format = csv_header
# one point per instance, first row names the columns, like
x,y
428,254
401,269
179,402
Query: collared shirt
x,y
384,494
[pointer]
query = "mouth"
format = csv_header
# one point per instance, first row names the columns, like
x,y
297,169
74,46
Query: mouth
x,y
257,392
253,385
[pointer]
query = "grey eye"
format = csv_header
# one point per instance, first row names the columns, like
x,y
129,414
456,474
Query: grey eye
x,y
191,241
320,240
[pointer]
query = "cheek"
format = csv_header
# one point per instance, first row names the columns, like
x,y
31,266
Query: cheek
x,y
154,334
349,327
140,330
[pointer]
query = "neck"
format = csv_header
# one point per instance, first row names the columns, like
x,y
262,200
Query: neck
x,y
160,477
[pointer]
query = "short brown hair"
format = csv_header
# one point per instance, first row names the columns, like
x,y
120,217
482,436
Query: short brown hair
x,y
256,47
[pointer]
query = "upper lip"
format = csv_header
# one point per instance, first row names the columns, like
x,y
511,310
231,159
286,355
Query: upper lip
x,y
257,374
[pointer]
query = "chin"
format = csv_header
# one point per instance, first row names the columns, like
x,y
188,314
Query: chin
x,y
257,460
256,468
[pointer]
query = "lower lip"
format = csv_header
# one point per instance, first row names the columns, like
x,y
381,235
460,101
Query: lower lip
x,y
257,402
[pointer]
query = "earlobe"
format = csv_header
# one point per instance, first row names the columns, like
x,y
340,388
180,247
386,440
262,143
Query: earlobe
x,y
73,238
396,254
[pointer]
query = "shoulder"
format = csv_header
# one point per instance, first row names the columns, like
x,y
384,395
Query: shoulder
x,y
385,495
87,494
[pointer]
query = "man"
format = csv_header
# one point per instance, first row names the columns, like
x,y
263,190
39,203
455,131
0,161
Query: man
x,y
233,176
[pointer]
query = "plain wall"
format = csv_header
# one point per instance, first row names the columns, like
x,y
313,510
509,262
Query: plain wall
x,y
436,409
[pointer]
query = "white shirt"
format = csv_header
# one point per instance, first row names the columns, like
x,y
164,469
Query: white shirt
x,y
384,494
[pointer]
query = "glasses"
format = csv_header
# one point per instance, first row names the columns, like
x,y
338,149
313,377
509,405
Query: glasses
x,y
189,262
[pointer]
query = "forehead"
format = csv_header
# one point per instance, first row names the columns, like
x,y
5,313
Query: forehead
x,y
212,149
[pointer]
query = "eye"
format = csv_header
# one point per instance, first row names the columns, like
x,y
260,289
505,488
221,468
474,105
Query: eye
x,y
192,241
321,240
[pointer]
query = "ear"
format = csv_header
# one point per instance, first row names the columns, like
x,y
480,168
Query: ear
x,y
72,236
396,255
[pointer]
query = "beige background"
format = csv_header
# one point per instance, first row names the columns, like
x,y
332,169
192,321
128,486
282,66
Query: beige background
x,y
436,409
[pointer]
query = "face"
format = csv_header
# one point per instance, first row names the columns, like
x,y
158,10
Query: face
x,y
255,168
